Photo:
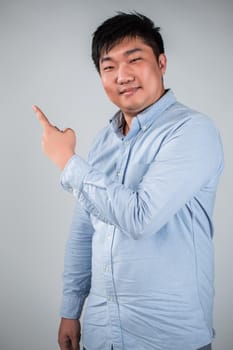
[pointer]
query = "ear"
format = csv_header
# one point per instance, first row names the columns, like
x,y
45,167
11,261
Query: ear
x,y
162,61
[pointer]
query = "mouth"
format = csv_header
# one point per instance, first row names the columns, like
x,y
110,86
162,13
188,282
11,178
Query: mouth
x,y
129,91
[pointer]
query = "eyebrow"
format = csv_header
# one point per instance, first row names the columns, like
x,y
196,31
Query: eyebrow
x,y
126,53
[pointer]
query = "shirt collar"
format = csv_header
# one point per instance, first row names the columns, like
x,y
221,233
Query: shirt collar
x,y
144,119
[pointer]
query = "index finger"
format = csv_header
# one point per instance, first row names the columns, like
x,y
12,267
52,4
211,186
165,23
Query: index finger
x,y
41,116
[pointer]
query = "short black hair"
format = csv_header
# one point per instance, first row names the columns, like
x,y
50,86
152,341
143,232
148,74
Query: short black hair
x,y
113,30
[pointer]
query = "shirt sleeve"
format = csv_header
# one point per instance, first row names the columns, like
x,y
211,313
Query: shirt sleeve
x,y
189,159
77,264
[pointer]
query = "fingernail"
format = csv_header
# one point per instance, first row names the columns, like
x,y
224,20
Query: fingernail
x,y
34,108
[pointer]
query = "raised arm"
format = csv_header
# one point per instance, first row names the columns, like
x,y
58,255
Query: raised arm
x,y
189,159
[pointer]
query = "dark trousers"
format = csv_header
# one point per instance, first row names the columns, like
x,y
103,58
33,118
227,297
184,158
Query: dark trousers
x,y
112,348
207,347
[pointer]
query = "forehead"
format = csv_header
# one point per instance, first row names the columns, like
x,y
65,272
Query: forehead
x,y
125,47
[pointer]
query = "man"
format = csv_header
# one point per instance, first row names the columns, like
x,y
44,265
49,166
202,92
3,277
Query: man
x,y
140,244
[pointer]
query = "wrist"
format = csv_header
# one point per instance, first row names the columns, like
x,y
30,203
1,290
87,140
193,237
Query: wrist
x,y
64,160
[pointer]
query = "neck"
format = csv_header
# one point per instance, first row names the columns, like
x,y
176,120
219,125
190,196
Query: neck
x,y
127,124
129,117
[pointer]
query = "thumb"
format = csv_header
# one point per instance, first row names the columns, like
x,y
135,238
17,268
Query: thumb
x,y
68,131
74,343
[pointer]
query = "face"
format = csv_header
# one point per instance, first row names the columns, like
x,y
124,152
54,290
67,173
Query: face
x,y
131,75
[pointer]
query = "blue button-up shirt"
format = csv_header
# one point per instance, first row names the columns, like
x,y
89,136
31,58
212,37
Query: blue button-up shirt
x,y
140,244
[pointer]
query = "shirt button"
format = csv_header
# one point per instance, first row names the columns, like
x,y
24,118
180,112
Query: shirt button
x,y
110,298
126,143
107,268
144,127
119,173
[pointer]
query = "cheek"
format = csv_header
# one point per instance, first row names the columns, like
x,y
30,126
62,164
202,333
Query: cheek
x,y
154,81
106,85
109,90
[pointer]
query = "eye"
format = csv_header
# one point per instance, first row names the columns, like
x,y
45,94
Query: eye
x,y
108,68
135,59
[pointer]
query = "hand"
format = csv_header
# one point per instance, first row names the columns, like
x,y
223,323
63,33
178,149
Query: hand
x,y
69,334
58,145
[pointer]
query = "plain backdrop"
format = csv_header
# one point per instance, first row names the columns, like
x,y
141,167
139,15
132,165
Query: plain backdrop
x,y
45,60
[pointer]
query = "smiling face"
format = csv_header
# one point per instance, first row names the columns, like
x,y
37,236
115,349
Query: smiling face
x,y
132,76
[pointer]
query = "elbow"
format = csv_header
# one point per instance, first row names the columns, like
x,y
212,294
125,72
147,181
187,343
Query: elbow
x,y
141,223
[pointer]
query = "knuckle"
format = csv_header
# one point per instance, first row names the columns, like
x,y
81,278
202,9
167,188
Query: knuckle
x,y
62,341
69,130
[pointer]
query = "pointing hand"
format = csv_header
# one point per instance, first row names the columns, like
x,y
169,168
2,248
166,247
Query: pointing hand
x,y
58,145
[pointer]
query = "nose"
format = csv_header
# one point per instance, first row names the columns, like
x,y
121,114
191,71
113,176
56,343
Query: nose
x,y
124,74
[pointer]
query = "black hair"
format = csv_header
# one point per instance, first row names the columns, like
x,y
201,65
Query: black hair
x,y
113,30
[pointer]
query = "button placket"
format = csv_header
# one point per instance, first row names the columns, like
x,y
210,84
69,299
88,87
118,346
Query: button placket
x,y
124,150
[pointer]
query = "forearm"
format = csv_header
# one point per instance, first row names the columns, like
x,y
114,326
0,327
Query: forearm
x,y
170,181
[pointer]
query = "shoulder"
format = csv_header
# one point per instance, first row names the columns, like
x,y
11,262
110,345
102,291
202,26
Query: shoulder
x,y
191,131
190,120
101,140
102,135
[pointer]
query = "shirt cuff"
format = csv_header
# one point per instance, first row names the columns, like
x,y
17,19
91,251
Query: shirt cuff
x,y
73,174
72,306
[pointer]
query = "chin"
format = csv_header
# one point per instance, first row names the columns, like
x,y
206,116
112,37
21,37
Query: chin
x,y
134,108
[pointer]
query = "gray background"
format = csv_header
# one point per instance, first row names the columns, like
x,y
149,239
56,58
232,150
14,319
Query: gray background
x,y
45,60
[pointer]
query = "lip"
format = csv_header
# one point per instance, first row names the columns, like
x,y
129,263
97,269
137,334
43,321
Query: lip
x,y
129,91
